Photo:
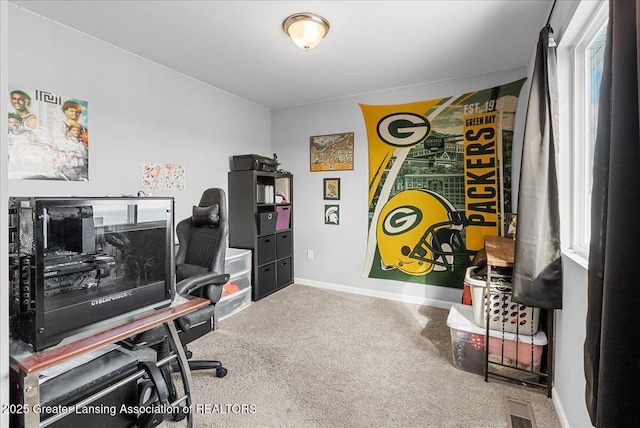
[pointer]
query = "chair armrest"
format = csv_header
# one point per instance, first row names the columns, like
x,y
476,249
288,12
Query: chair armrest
x,y
189,285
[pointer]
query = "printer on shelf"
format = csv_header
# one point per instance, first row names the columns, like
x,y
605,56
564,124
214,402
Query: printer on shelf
x,y
254,162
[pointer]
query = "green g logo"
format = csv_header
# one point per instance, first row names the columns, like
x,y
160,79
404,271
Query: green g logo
x,y
403,129
401,220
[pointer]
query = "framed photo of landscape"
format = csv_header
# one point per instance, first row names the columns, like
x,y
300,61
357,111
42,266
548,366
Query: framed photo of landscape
x,y
333,152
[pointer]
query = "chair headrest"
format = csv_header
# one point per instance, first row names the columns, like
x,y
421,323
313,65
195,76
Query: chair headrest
x,y
206,216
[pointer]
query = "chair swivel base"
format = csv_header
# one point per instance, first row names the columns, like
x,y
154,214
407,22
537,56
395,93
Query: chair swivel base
x,y
209,365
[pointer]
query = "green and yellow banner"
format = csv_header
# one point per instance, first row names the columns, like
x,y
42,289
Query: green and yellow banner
x,y
439,182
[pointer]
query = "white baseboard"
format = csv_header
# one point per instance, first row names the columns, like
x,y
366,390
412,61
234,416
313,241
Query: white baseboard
x,y
375,293
559,409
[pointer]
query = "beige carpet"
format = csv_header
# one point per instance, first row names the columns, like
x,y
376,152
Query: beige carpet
x,y
308,357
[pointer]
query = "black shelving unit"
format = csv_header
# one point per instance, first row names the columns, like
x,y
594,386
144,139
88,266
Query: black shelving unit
x,y
252,198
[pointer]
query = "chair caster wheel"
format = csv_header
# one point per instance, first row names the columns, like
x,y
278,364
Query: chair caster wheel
x,y
177,416
221,372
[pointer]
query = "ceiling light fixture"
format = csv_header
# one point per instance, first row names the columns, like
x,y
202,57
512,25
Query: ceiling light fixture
x,y
306,29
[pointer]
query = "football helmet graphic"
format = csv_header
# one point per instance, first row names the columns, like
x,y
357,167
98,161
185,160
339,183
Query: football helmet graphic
x,y
418,232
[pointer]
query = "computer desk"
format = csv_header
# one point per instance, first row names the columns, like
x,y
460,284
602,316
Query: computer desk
x,y
28,369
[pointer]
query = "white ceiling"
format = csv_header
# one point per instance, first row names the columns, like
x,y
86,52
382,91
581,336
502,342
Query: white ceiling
x,y
240,47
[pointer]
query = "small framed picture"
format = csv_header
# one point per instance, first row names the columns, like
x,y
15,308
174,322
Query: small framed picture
x,y
332,188
332,214
511,225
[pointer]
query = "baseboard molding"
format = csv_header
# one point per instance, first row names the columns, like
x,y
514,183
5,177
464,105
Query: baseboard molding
x,y
374,293
559,409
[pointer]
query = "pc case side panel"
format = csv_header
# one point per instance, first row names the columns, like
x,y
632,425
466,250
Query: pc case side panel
x,y
23,258
69,277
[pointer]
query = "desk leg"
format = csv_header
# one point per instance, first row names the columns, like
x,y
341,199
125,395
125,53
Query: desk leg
x,y
31,397
176,344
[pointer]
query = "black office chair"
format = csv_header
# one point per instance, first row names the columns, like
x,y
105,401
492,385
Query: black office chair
x,y
199,273
200,268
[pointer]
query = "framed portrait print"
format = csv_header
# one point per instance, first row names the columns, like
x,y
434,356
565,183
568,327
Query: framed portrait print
x,y
511,225
332,188
48,136
332,152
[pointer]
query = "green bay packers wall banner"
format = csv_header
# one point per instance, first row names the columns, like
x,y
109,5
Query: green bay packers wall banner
x,y
439,181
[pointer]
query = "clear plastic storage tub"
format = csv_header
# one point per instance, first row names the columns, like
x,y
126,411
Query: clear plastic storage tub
x,y
236,294
236,284
468,346
233,304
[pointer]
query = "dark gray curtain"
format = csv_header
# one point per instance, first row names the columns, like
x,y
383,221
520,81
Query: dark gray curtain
x,y
537,273
612,343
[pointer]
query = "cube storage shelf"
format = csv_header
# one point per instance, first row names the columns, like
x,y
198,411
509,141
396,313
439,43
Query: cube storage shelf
x,y
261,220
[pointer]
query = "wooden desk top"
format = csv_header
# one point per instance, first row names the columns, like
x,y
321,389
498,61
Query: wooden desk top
x,y
500,251
53,356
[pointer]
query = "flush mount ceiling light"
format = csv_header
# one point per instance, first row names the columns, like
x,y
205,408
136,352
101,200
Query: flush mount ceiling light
x,y
306,29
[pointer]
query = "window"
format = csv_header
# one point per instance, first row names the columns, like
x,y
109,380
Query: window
x,y
587,57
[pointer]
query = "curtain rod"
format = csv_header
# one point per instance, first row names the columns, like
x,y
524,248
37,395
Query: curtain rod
x,y
551,13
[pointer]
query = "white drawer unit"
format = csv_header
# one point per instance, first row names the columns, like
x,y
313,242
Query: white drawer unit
x,y
236,284
233,303
236,294
237,261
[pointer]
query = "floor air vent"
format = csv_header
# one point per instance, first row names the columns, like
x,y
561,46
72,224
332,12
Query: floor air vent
x,y
519,413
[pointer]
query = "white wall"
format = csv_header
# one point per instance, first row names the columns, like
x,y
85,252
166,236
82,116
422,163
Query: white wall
x,y
4,224
569,385
339,251
138,112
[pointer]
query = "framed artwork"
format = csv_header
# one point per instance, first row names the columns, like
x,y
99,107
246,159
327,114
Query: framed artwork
x,y
333,152
332,188
332,214
511,225
174,176
48,136
152,175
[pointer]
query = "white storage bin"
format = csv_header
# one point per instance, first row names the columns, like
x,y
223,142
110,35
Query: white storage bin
x,y
517,351
237,260
505,315
236,284
233,304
